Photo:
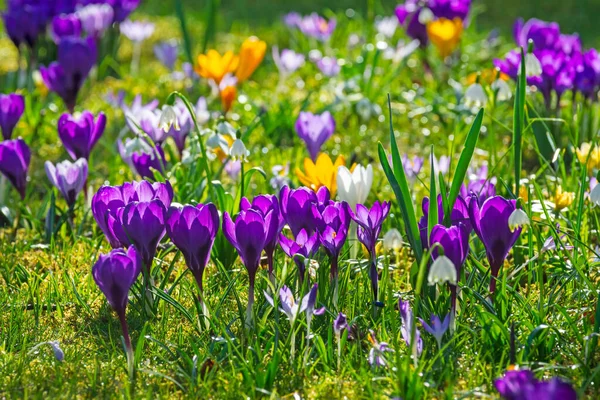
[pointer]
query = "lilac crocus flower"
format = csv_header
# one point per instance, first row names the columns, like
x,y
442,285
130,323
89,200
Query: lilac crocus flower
x,y
406,315
455,243
69,178
166,52
490,222
544,35
143,223
329,66
80,133
265,204
193,230
483,188
137,31
109,199
304,247
138,107
369,227
149,122
412,166
339,324
65,25
288,61
333,224
292,19
76,57
377,352
12,107
292,309
248,234
15,157
96,18
317,27
437,328
314,130
296,207
115,273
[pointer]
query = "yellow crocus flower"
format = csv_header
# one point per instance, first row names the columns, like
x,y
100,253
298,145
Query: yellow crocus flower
x,y
321,173
252,53
588,155
563,199
214,66
445,34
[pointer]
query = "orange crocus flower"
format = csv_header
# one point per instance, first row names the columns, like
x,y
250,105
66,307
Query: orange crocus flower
x,y
252,53
214,66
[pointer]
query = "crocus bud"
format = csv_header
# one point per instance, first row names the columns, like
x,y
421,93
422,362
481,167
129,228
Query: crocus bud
x,y
11,109
69,178
14,163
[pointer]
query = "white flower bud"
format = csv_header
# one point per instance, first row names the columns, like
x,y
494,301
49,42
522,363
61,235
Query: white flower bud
x,y
442,270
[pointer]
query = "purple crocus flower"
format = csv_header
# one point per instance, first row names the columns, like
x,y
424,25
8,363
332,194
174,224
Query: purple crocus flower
x,y
96,18
369,227
149,122
248,234
143,223
76,57
412,166
329,66
12,107
296,207
406,315
490,222
544,35
455,243
25,22
291,308
15,157
69,178
123,8
292,19
315,130
483,188
265,204
137,106
522,385
459,215
166,52
304,245
193,230
80,133
115,273
437,327
109,199
65,25
145,162
333,224
317,27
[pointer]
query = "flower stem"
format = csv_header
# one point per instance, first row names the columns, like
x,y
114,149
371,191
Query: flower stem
x,y
249,317
128,348
339,350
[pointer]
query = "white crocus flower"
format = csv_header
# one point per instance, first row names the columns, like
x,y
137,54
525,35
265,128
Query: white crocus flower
x,y
503,89
442,270
517,219
354,187
475,95
168,119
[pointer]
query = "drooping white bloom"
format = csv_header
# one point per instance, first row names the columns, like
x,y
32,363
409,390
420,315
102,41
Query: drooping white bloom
x,y
442,270
392,240
503,89
517,219
238,150
533,67
595,195
386,26
168,119
476,96
354,187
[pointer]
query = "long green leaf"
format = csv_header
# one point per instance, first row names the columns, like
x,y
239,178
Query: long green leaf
x,y
397,179
463,164
519,121
433,204
187,42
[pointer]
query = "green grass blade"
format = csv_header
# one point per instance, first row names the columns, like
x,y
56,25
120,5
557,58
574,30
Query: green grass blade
x,y
518,122
187,41
433,204
463,164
